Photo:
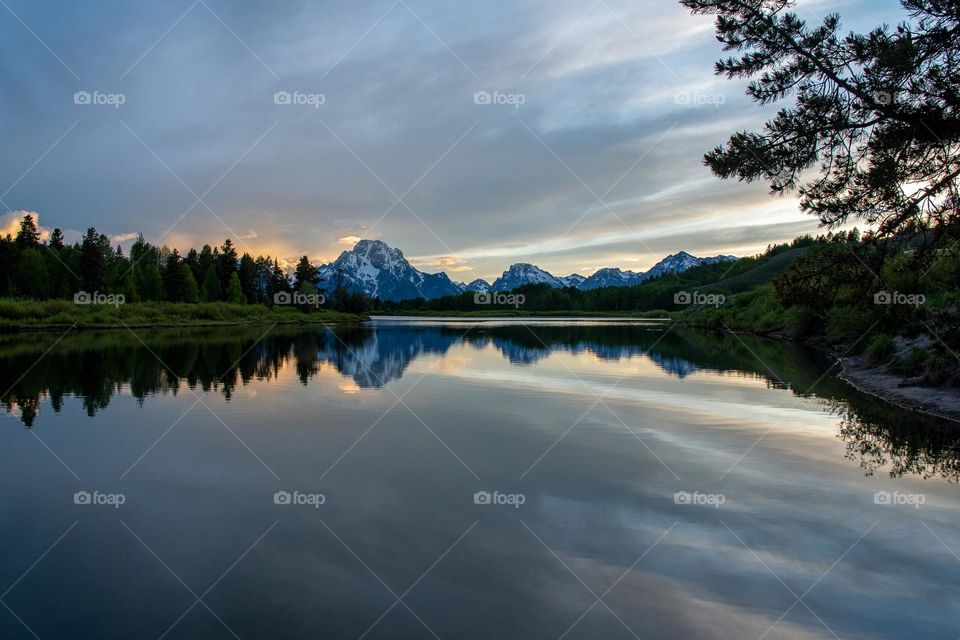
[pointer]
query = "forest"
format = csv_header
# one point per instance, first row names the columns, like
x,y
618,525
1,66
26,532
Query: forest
x,y
49,269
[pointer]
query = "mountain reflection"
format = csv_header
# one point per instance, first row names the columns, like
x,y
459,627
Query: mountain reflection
x,y
93,366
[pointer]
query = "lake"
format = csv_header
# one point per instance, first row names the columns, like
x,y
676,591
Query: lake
x,y
452,479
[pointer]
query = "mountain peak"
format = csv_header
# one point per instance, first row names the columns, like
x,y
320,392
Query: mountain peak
x,y
479,284
610,277
521,273
377,250
377,270
367,244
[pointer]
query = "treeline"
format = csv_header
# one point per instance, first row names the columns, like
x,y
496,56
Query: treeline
x,y
52,269
833,287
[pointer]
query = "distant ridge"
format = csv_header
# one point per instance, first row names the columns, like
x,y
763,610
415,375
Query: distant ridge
x,y
381,271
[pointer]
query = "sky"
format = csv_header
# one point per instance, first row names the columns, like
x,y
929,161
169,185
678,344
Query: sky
x,y
470,135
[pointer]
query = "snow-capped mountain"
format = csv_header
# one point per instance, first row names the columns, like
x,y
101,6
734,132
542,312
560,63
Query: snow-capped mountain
x,y
680,262
520,274
523,273
611,277
573,280
380,271
479,284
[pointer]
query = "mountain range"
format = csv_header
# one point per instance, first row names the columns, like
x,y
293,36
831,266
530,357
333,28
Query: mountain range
x,y
381,271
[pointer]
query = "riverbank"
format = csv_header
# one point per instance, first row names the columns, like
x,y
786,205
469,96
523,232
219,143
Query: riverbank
x,y
59,315
866,373
906,393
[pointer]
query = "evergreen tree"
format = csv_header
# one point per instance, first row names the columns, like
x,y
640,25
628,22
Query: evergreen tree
x,y
129,289
30,275
92,265
874,126
29,235
355,302
178,280
211,286
148,281
171,277
187,285
340,293
263,279
56,239
62,281
7,260
226,263
146,272
234,290
279,279
115,263
103,242
306,289
192,260
248,276
206,259
304,273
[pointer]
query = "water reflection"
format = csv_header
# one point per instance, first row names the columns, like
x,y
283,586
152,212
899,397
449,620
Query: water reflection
x,y
95,366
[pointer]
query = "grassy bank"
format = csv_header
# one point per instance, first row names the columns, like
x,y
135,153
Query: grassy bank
x,y
28,315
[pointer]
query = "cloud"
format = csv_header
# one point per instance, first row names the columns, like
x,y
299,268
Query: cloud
x,y
10,223
450,264
493,184
120,238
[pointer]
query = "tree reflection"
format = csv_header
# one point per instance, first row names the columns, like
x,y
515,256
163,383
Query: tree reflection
x,y
94,366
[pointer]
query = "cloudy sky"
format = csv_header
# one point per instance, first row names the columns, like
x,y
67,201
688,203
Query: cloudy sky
x,y
471,135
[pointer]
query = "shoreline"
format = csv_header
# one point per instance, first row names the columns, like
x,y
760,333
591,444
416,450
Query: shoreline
x,y
14,329
891,388
876,381
30,316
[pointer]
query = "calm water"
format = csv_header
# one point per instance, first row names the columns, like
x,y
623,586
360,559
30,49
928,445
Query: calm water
x,y
645,483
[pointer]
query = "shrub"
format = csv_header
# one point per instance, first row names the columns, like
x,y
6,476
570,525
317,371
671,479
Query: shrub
x,y
911,364
941,370
881,349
